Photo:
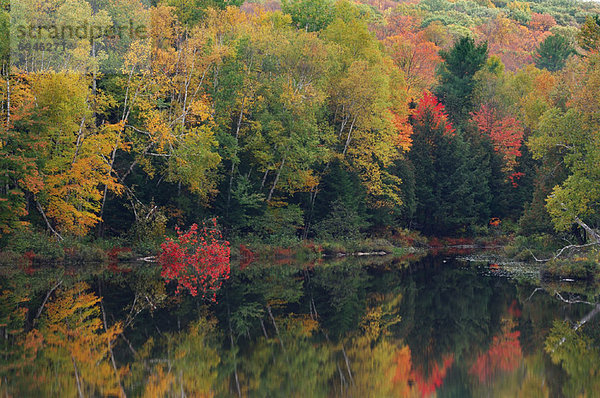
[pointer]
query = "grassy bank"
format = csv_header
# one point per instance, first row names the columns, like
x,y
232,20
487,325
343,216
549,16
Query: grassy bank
x,y
29,248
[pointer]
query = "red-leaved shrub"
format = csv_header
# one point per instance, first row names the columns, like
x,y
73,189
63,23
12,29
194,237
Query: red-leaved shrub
x,y
198,259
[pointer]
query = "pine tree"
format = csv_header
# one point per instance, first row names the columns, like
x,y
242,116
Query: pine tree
x,y
444,179
553,52
456,75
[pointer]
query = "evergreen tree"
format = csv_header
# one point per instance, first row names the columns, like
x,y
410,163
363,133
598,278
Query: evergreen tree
x,y
553,52
444,190
456,76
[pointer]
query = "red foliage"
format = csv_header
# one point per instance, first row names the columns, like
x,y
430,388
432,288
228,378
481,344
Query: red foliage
x,y
435,243
428,385
505,132
29,256
431,112
284,253
514,178
458,241
503,355
199,260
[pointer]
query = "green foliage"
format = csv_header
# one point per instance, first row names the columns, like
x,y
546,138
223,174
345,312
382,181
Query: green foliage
x,y
589,36
444,194
343,223
553,52
295,122
457,74
581,269
578,355
279,225
310,15
191,12
578,195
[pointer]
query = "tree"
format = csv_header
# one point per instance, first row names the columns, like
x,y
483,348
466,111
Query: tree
x,y
506,133
369,106
414,53
310,15
444,199
589,35
573,133
456,76
55,154
191,12
553,52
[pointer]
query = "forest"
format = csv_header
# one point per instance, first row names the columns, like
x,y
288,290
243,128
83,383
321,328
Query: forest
x,y
300,120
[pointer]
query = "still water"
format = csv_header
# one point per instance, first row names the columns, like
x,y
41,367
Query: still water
x,y
436,325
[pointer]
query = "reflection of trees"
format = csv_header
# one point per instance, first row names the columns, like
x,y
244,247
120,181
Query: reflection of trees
x,y
339,293
447,311
503,355
302,369
368,360
338,329
73,357
178,364
578,354
17,350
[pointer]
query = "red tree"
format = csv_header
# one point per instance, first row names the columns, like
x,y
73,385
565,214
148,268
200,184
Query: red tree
x,y
430,111
506,132
199,260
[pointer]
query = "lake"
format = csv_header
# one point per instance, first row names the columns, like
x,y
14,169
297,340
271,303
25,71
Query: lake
x,y
417,326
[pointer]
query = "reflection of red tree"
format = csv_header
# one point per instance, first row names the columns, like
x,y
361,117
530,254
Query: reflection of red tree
x,y
514,310
247,257
503,355
428,385
113,257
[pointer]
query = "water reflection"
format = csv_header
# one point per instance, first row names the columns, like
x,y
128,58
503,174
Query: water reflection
x,y
348,328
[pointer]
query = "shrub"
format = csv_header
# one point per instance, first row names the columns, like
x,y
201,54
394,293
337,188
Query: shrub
x,y
198,259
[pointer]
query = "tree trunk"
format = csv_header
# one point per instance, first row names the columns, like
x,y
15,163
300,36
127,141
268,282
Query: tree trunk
x,y
275,325
237,136
276,178
592,235
39,207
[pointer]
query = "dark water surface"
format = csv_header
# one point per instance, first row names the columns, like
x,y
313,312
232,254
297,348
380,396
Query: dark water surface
x,y
434,326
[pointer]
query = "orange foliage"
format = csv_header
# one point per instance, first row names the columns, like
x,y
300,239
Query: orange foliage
x,y
403,370
73,334
495,221
541,22
247,257
412,52
405,130
428,385
511,41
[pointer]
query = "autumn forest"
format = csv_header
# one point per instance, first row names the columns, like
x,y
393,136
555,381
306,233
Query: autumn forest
x,y
306,119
